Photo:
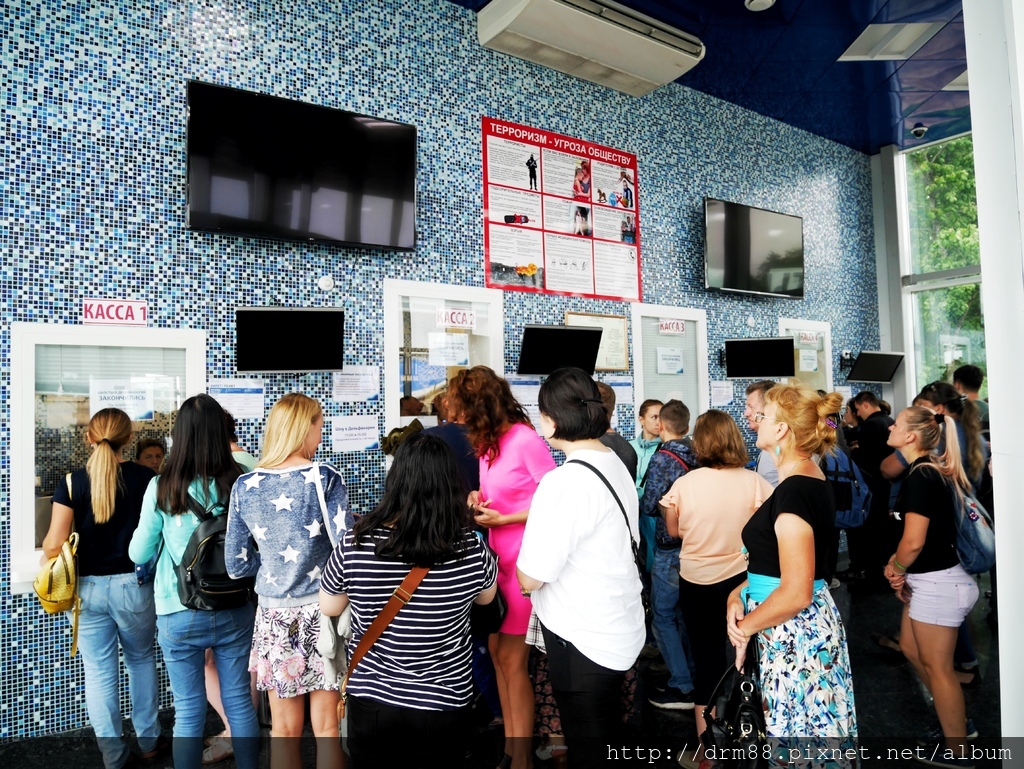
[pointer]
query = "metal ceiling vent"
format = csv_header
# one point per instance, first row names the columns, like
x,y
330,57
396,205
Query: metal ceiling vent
x,y
603,42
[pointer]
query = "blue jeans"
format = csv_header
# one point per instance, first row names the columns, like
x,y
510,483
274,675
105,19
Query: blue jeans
x,y
184,638
667,622
115,608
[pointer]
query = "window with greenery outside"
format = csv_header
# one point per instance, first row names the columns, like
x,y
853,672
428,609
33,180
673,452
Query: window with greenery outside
x,y
943,212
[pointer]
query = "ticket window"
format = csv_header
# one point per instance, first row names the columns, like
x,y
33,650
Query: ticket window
x,y
431,332
60,376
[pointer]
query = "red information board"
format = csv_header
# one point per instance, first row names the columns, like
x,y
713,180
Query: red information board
x,y
561,215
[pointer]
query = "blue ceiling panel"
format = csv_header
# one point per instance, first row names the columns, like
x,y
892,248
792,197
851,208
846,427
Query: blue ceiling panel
x,y
782,62
910,11
786,76
948,43
927,75
858,76
825,42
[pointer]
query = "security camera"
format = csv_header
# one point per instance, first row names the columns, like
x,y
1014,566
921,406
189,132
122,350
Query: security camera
x,y
919,130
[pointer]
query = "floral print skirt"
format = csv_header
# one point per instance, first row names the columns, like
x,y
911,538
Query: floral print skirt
x,y
284,655
807,686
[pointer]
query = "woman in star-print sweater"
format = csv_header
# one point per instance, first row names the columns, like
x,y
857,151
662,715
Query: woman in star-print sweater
x,y
277,531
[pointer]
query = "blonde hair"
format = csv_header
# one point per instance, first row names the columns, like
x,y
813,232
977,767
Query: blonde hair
x,y
929,427
287,427
812,418
109,430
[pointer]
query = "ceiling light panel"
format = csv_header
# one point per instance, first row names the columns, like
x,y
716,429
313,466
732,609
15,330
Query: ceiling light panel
x,y
890,42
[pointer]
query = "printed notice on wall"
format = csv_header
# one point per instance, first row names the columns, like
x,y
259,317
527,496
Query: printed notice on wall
x,y
356,384
133,397
561,215
356,433
721,394
241,398
808,360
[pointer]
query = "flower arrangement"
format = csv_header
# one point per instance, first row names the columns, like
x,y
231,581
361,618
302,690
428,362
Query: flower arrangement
x,y
527,270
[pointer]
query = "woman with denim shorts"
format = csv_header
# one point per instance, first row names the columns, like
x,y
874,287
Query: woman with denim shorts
x,y
200,466
103,501
925,570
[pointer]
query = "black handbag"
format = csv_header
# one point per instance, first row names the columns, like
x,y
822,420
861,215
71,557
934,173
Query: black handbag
x,y
485,619
736,735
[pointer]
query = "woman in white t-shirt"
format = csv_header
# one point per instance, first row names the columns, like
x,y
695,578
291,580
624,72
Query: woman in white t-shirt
x,y
577,564
707,508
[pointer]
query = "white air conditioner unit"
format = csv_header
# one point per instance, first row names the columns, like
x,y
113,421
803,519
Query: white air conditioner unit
x,y
599,41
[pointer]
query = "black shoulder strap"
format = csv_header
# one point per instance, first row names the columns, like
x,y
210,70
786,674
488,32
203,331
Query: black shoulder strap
x,y
622,507
195,507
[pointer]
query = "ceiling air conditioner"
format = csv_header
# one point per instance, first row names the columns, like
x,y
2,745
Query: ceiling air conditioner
x,y
603,42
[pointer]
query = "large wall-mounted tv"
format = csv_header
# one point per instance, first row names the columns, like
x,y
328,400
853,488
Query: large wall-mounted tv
x,y
289,339
751,250
770,358
269,167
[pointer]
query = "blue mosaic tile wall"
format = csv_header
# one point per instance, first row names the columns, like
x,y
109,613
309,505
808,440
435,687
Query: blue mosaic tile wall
x,y
92,197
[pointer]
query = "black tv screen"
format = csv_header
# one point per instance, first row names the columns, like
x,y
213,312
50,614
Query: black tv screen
x,y
751,250
759,358
269,167
289,339
546,348
877,367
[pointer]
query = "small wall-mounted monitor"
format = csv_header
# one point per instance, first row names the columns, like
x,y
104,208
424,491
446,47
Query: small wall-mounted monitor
x,y
289,339
875,367
770,358
546,348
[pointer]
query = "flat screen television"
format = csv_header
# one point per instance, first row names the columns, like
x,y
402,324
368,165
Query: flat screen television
x,y
269,167
876,367
289,339
751,250
546,348
770,358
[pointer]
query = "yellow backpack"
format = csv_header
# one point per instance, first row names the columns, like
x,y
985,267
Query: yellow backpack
x,y
57,582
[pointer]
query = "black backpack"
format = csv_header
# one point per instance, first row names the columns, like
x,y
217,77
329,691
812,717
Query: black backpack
x,y
203,581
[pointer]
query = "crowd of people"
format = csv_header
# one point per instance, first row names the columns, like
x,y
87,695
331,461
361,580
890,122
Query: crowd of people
x,y
370,615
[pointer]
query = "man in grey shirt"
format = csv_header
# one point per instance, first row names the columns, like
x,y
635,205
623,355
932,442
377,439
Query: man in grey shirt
x,y
765,465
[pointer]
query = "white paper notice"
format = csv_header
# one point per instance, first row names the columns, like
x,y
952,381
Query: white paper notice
x,y
242,398
622,386
448,349
808,360
525,389
356,433
721,394
133,397
356,384
670,360
615,270
846,391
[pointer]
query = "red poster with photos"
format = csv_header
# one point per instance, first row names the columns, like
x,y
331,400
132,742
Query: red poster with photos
x,y
561,215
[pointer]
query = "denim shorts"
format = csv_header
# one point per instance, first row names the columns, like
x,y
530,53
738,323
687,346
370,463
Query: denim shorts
x,y
942,597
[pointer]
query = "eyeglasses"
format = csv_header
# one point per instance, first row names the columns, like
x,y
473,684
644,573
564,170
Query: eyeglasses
x,y
760,416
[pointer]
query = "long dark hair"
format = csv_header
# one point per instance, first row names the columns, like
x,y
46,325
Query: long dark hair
x,y
200,451
484,403
966,413
424,504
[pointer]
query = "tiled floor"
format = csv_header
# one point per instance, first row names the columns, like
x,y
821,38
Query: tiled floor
x,y
892,705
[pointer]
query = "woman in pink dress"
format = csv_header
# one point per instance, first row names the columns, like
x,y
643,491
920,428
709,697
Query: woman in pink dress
x,y
513,459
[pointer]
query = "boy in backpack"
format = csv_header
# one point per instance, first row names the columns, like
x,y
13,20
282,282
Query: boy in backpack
x,y
670,462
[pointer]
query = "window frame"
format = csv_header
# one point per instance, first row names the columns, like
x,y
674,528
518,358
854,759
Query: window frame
x,y
24,556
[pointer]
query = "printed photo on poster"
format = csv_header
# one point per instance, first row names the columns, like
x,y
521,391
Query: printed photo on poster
x,y
543,191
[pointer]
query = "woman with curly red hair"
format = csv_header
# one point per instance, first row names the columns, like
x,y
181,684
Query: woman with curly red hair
x,y
513,458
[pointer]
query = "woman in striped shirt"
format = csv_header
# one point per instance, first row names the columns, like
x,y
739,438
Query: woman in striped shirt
x,y
416,680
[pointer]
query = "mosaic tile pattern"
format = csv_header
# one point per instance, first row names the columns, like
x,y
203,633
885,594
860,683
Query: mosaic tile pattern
x,y
92,202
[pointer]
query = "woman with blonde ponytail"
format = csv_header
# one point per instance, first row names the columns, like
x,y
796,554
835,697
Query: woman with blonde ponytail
x,y
785,600
103,501
925,570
